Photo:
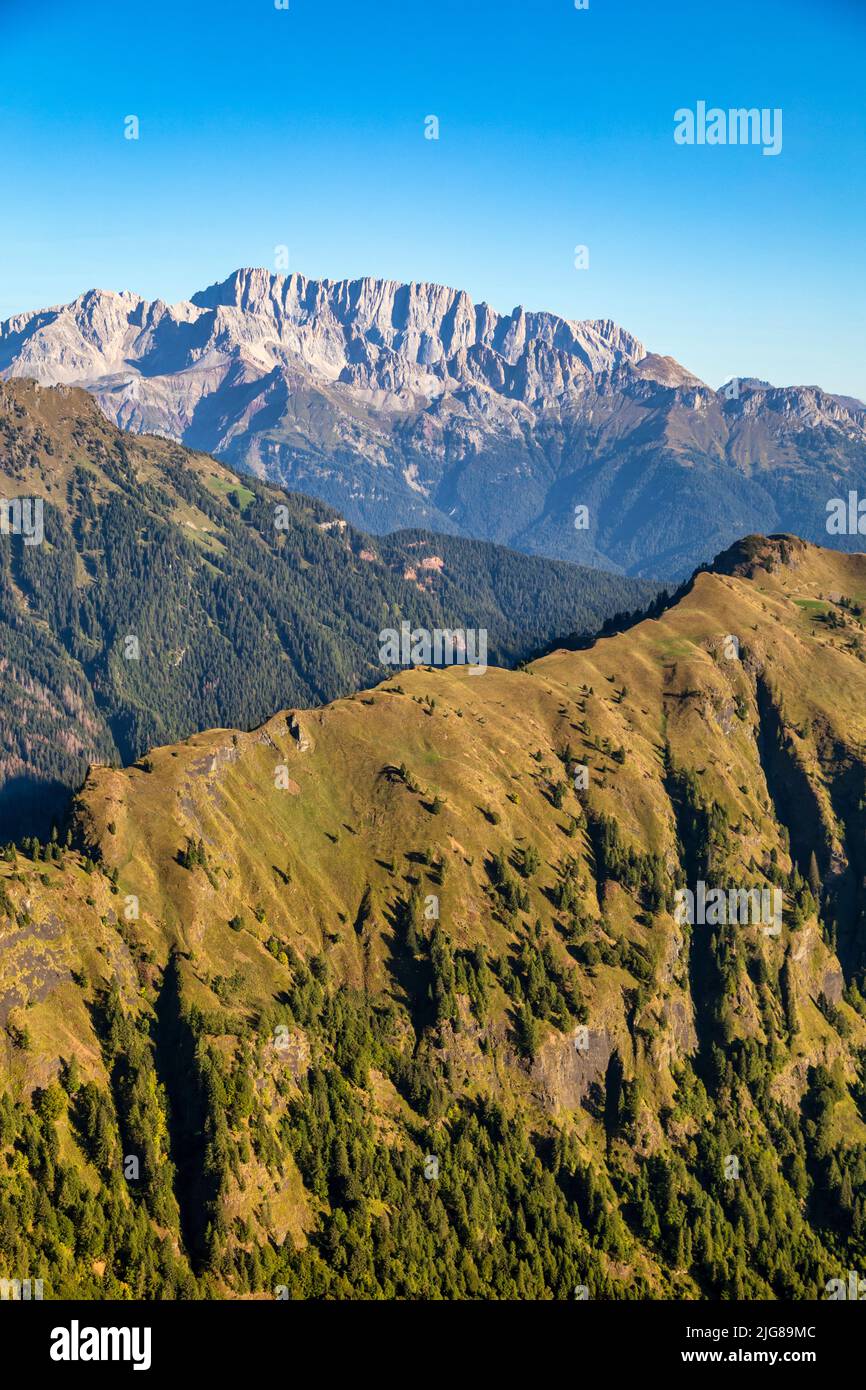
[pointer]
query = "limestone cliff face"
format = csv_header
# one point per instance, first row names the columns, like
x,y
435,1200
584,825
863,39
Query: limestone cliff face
x,y
409,405
377,333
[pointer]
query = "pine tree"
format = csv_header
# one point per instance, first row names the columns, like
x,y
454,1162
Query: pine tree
x,y
814,877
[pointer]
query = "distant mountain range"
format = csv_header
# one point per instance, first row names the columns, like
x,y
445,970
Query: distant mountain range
x,y
165,599
410,406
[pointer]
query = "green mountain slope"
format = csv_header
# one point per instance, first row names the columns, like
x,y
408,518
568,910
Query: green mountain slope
x,y
379,1000
171,595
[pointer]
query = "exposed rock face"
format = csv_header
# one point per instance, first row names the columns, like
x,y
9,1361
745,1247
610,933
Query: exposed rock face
x,y
563,1072
371,335
296,729
408,405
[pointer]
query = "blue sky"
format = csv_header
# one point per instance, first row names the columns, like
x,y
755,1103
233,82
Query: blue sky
x,y
305,127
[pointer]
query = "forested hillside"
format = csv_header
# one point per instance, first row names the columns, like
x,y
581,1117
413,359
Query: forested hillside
x,y
169,595
394,998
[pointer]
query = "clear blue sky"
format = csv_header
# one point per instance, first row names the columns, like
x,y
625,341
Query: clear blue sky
x,y
305,127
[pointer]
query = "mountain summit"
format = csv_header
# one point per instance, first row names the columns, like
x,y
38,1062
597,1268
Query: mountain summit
x,y
408,405
420,338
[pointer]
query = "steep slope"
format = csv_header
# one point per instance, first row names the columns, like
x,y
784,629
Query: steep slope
x,y
158,581
408,406
388,999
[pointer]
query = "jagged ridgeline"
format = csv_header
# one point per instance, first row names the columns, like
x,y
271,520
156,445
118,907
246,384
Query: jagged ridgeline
x,y
395,998
167,594
409,405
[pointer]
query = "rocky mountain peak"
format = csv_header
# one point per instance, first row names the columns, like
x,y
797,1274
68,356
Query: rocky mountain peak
x,y
407,404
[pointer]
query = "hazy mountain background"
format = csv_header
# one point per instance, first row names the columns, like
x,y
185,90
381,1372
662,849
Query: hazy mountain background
x,y
406,405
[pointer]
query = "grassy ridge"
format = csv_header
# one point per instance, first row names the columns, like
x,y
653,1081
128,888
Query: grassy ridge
x,y
411,1013
165,581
